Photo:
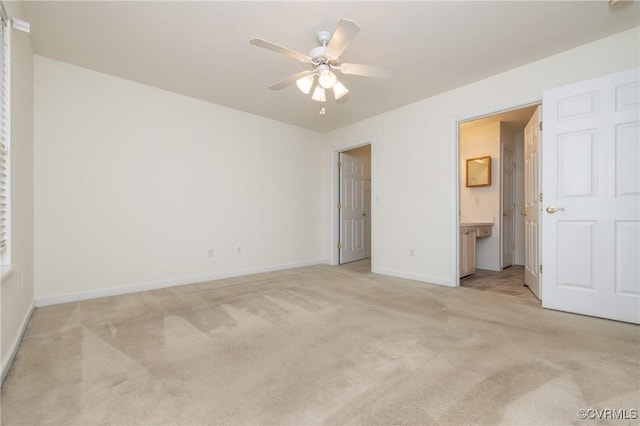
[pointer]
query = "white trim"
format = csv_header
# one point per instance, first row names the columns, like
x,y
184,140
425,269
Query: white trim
x,y
15,344
335,188
20,25
489,267
414,277
454,270
5,271
155,285
501,204
455,175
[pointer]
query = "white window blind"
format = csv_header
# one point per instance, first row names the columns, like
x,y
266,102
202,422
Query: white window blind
x,y
4,132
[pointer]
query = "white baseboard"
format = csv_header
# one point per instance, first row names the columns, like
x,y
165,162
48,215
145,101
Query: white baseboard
x,y
414,277
496,268
15,344
135,288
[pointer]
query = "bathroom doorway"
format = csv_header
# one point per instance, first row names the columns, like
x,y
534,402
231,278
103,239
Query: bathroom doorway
x,y
492,228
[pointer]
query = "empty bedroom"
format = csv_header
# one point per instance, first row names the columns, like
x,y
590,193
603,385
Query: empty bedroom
x,y
222,212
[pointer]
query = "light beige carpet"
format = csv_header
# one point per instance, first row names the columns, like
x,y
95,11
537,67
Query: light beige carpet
x,y
318,345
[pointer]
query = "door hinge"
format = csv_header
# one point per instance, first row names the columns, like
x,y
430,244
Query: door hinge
x,y
339,205
540,197
339,164
540,126
540,268
339,245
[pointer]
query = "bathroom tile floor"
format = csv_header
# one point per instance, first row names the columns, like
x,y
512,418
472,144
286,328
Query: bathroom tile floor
x,y
508,281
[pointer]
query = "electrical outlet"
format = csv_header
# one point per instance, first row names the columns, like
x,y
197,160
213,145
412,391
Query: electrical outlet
x,y
239,250
210,252
412,253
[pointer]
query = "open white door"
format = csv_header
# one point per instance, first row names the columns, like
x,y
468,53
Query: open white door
x,y
531,211
591,189
352,213
508,205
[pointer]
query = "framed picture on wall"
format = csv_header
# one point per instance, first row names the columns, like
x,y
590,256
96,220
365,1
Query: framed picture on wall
x,y
479,171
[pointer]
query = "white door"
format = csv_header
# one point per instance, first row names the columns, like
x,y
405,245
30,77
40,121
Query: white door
x,y
352,214
591,188
508,205
532,203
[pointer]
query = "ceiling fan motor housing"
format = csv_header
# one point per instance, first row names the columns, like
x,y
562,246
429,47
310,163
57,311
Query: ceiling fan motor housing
x,y
317,54
324,37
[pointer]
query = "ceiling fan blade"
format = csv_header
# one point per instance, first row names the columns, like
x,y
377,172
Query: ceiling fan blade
x,y
368,70
343,99
345,31
280,49
289,80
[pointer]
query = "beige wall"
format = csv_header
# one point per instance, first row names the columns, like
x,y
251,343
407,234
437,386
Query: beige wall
x,y
17,287
133,186
482,203
485,203
414,178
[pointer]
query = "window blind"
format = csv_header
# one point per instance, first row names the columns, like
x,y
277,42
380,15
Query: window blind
x,y
4,131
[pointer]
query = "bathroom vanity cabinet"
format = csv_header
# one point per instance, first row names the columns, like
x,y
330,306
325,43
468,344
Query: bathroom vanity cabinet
x,y
468,234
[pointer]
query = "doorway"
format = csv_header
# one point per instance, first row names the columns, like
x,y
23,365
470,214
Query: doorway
x,y
586,232
492,213
353,205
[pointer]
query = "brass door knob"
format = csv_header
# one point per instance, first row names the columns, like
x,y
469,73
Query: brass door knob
x,y
552,209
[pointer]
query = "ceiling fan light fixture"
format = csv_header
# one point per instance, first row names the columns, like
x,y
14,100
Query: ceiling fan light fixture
x,y
319,94
327,79
305,83
324,63
339,90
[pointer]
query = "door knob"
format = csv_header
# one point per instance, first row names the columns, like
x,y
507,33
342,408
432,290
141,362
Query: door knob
x,y
364,214
524,213
552,209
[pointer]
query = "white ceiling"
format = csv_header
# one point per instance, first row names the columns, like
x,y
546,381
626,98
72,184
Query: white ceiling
x,y
201,49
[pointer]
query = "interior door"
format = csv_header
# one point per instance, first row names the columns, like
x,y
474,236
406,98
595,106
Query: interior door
x,y
508,205
352,213
531,211
591,187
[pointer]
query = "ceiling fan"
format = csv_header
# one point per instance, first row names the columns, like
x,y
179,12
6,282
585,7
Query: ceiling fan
x,y
324,62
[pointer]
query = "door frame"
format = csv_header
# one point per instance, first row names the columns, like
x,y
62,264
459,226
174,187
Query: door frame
x,y
455,175
335,185
513,219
